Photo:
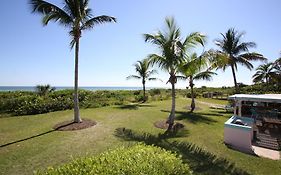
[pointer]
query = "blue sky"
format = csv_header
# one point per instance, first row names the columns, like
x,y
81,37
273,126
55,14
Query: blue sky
x,y
32,54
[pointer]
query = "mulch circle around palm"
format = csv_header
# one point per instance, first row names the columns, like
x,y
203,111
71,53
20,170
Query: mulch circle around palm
x,y
163,125
196,108
72,126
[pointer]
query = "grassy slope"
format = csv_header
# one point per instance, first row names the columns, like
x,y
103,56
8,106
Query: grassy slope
x,y
205,129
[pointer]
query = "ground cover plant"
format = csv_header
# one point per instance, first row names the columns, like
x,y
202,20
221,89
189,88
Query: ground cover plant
x,y
30,143
138,159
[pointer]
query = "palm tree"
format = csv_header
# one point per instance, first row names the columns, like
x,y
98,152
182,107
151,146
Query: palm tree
x,y
277,68
195,69
77,16
234,51
44,89
277,65
264,72
172,54
142,69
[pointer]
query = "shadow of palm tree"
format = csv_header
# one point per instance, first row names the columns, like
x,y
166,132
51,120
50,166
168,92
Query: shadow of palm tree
x,y
134,106
28,138
195,117
34,136
199,160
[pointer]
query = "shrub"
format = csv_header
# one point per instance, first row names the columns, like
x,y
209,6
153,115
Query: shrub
x,y
155,92
27,103
138,159
188,94
141,98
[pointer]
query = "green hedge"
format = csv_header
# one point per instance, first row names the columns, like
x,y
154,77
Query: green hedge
x,y
27,103
136,160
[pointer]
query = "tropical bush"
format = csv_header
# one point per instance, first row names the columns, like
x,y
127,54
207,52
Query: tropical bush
x,y
154,92
138,159
27,103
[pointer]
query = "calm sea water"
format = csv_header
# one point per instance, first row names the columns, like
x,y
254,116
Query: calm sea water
x,y
32,88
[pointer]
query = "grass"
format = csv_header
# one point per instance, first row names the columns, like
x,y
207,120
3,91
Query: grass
x,y
214,100
39,146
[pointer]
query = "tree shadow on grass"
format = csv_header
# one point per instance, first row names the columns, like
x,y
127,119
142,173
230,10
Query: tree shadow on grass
x,y
133,106
34,136
195,117
199,160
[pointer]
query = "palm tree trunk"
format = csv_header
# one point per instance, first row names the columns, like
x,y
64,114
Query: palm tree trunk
x,y
192,106
77,118
171,117
143,88
234,78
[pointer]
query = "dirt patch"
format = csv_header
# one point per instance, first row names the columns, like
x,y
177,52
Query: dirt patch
x,y
196,108
163,125
71,126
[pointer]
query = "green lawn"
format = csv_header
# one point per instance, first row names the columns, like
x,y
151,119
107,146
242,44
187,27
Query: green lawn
x,y
203,135
213,100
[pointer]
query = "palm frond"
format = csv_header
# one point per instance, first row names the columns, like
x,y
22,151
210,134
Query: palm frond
x,y
72,44
244,47
161,61
194,39
180,77
154,79
97,20
264,72
206,75
157,39
51,12
133,77
219,60
253,56
151,72
71,8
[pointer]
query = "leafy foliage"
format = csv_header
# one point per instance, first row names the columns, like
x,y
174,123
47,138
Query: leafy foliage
x,y
172,54
44,89
196,68
77,17
26,103
138,159
233,51
142,69
264,72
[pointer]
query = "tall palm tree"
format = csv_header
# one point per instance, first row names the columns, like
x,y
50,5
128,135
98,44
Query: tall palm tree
x,y
195,69
264,72
142,69
77,16
234,51
171,56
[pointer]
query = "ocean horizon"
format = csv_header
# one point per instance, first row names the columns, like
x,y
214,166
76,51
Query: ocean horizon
x,y
91,88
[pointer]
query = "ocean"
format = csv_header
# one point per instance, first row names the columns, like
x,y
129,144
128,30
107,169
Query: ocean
x,y
93,88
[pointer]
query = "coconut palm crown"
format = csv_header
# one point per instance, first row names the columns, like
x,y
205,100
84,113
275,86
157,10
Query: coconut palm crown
x,y
264,72
142,69
172,54
234,52
76,16
196,68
